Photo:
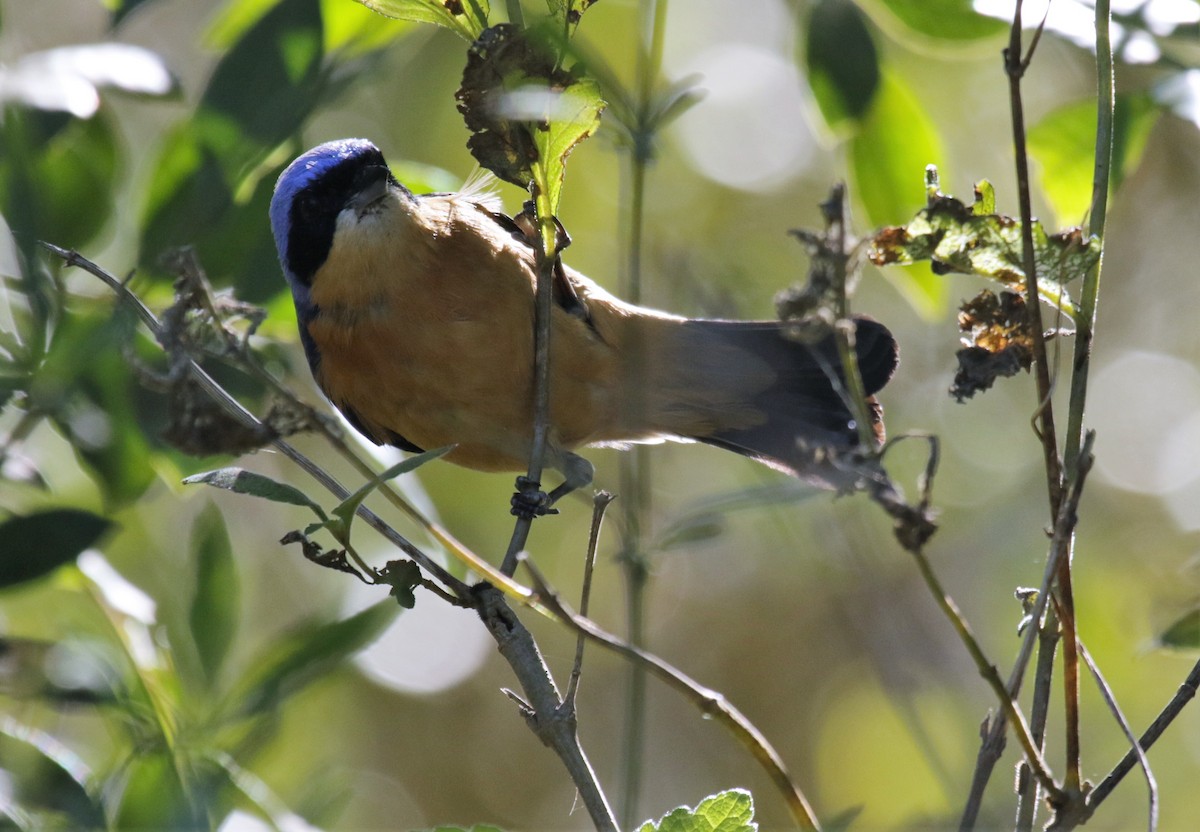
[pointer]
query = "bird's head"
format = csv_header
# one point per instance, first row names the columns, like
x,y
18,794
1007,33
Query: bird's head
x,y
333,185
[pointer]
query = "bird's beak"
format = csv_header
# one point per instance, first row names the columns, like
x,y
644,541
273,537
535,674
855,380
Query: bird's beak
x,y
374,189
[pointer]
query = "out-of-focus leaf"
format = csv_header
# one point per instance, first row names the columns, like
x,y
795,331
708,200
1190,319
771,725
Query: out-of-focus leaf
x,y
69,78
1184,634
56,175
122,9
351,29
308,653
86,386
214,179
894,139
59,673
154,797
1064,144
841,60
569,12
955,237
269,81
234,19
525,113
730,811
241,481
213,617
466,17
945,20
36,544
45,779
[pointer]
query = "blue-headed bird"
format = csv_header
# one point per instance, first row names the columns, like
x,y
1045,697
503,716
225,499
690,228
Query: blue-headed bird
x,y
416,313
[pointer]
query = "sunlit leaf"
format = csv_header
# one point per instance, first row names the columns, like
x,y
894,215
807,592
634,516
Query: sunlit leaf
x,y
1184,634
945,20
1063,143
351,29
954,237
213,617
241,481
309,653
524,112
36,544
730,811
841,60
466,17
44,778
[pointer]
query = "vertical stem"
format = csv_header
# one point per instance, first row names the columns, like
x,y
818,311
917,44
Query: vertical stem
x,y
1015,65
635,467
1086,319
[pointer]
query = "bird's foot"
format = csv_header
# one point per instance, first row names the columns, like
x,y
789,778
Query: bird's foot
x,y
530,500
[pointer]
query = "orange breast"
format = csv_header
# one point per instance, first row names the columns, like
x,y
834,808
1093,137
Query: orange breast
x,y
429,333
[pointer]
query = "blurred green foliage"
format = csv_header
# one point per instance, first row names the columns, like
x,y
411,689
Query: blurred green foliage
x,y
219,679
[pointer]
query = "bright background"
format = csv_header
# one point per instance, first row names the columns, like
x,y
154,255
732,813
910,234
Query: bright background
x,y
806,615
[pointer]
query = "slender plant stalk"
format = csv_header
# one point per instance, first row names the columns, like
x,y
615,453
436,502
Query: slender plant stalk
x,y
635,467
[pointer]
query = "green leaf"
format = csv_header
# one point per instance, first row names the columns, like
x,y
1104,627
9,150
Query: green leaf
x,y
154,797
729,811
36,544
87,388
466,17
213,617
955,237
241,481
57,175
351,29
309,653
270,80
43,777
841,60
525,113
1063,143
574,115
1184,634
896,138
345,510
944,20
34,669
402,576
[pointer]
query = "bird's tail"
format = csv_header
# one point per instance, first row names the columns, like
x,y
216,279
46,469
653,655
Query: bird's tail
x,y
743,386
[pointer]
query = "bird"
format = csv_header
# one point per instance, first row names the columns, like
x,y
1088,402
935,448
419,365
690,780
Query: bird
x,y
416,315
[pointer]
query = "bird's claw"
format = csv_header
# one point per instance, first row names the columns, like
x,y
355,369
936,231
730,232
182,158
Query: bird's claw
x,y
530,500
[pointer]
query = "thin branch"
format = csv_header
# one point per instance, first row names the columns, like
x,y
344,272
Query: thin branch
x,y
544,300
634,471
514,640
599,505
1111,700
1028,793
1015,67
987,670
1185,694
710,702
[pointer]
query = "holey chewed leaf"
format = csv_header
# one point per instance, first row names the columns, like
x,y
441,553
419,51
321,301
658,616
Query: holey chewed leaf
x,y
525,112
973,239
